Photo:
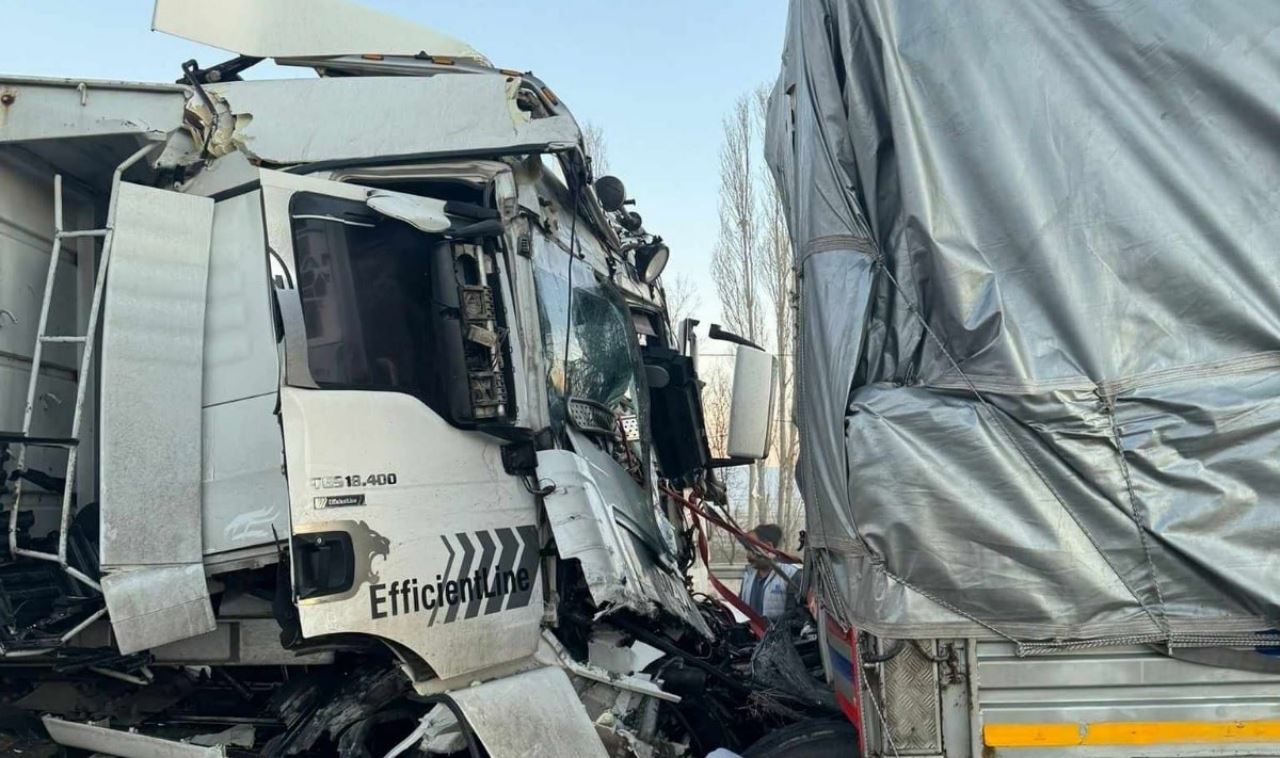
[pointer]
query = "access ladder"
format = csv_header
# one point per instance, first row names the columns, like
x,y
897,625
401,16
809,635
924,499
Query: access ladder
x,y
24,439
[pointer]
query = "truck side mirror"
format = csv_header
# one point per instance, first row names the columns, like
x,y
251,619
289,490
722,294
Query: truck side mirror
x,y
611,193
751,405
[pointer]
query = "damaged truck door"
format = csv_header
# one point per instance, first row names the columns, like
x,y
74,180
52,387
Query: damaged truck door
x,y
405,525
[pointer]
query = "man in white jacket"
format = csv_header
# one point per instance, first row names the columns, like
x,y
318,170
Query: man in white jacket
x,y
765,588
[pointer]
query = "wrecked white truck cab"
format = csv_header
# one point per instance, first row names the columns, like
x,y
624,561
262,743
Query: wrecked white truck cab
x,y
334,399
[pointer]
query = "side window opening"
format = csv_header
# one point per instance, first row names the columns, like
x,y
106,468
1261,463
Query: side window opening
x,y
389,307
364,282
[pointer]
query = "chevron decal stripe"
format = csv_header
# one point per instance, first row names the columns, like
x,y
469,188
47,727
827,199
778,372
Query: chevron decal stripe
x,y
448,567
530,546
486,572
486,560
508,553
467,553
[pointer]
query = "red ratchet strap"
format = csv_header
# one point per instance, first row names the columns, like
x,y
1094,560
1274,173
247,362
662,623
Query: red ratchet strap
x,y
757,622
754,620
697,510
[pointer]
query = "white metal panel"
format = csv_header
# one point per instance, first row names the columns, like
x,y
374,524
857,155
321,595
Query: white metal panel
x,y
751,409
423,213
552,721
245,497
155,605
243,642
55,108
291,28
104,741
152,374
52,417
240,344
448,511
422,501
304,120
244,494
521,300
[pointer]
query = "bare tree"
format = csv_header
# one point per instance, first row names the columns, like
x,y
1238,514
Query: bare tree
x,y
716,399
777,273
597,149
753,272
682,296
734,263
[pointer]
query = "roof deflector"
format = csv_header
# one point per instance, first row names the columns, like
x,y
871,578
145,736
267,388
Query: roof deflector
x,y
295,28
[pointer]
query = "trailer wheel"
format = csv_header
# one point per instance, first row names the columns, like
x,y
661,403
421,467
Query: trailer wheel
x,y
817,738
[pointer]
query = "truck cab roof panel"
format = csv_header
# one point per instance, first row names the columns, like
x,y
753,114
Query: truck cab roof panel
x,y
285,28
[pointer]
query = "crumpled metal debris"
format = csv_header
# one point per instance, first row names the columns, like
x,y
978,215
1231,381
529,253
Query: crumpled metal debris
x,y
240,735
328,704
776,662
443,735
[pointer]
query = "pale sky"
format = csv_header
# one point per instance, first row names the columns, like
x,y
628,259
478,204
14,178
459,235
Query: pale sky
x,y
656,76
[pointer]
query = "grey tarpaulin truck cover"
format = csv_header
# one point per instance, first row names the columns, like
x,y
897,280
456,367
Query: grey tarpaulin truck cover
x,y
1039,329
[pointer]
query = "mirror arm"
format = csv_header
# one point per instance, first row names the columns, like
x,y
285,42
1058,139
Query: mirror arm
x,y
717,333
730,462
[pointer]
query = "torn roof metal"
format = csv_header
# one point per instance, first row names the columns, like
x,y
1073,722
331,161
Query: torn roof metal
x,y
305,120
284,28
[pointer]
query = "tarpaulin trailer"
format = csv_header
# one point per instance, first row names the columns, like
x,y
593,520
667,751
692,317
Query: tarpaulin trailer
x,y
1039,313
341,415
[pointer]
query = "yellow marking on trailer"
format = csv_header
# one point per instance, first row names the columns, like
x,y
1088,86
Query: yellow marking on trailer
x,y
1032,735
1128,733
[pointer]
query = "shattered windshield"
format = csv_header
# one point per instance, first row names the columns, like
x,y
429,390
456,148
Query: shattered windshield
x,y
595,339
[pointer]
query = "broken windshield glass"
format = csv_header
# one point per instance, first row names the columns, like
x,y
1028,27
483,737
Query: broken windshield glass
x,y
595,340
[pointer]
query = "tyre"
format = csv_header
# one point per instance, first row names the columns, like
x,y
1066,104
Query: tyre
x,y
818,738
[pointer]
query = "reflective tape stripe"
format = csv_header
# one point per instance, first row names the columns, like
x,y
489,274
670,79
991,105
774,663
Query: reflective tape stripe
x,y
1128,733
837,639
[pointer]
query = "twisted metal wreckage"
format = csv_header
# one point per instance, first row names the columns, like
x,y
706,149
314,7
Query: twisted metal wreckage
x,y
345,414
